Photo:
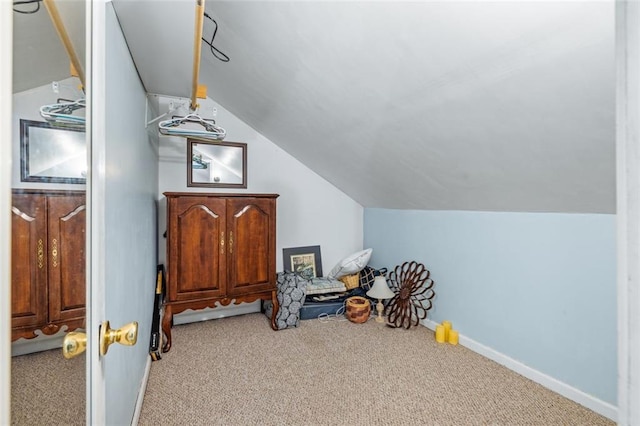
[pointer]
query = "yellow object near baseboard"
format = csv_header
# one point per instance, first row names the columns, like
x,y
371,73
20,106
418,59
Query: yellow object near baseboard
x,y
445,333
453,337
447,328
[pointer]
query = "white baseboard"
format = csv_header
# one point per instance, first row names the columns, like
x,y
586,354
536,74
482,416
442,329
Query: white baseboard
x,y
215,313
141,392
601,407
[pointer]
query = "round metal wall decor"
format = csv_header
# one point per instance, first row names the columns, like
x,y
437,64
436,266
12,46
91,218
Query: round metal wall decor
x,y
413,288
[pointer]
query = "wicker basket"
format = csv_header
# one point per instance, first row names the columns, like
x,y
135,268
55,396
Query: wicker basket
x,y
351,281
357,309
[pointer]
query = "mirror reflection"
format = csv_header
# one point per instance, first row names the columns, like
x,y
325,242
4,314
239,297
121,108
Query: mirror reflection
x,y
48,214
52,154
216,164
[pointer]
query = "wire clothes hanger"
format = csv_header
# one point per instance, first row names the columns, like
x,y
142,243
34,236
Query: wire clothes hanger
x,y
207,127
198,163
61,113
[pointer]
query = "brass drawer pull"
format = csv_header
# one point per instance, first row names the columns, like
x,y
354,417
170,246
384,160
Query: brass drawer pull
x,y
222,242
231,242
40,252
54,253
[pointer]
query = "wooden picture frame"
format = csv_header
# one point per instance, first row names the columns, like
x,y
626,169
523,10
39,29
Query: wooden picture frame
x,y
304,260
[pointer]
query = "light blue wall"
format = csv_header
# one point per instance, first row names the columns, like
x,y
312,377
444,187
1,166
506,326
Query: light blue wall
x,y
537,287
132,183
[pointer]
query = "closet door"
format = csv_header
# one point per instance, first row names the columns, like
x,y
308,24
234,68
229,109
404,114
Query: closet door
x,y
251,254
29,263
67,277
197,247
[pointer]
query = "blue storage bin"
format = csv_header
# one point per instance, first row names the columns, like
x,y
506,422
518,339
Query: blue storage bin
x,y
311,310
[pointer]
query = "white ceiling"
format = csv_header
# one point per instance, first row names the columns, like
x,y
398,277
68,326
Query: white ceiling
x,y
502,106
39,57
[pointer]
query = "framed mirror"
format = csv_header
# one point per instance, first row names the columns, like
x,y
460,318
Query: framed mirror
x,y
52,154
216,164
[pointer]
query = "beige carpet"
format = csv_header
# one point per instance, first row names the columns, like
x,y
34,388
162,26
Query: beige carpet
x,y
47,389
237,371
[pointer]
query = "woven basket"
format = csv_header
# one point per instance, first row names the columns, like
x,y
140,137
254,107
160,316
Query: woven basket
x,y
357,309
351,281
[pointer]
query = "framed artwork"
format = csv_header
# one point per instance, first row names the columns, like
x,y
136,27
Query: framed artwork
x,y
304,260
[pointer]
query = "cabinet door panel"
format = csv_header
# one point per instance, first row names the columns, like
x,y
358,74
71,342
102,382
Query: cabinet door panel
x,y
250,259
197,244
29,261
67,278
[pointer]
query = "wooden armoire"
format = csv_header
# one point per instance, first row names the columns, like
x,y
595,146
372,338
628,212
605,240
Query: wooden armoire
x,y
48,262
221,248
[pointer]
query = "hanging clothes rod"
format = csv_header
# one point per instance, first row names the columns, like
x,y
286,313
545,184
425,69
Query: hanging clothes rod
x,y
197,48
172,109
64,37
61,113
205,128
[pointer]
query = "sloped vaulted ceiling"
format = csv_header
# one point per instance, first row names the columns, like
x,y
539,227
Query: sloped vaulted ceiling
x,y
502,106
39,56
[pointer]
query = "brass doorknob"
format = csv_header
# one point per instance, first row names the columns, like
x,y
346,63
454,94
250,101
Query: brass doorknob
x,y
126,335
74,344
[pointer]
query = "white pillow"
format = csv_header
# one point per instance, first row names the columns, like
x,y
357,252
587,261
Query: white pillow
x,y
351,264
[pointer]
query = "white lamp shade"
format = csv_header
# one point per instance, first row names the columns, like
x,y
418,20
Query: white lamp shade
x,y
380,289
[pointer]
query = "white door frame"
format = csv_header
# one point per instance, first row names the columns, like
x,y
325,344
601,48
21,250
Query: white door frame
x,y
96,268
6,105
628,208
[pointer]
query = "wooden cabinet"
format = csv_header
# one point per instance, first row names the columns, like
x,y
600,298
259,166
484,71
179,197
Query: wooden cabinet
x,y
220,248
47,262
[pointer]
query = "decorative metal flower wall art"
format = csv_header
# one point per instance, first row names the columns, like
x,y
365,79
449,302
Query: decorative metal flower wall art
x,y
413,288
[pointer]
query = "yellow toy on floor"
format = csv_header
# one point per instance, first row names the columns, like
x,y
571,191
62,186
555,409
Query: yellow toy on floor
x,y
445,333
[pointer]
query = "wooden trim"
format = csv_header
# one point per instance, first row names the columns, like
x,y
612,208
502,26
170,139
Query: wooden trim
x,y
64,37
197,52
218,194
29,191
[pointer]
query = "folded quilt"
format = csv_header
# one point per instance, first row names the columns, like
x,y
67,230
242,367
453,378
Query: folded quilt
x,y
324,285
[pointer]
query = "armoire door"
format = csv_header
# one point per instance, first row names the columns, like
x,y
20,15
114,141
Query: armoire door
x,y
67,240
29,260
197,247
251,254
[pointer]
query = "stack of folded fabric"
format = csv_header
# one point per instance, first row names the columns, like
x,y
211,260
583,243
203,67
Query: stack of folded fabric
x,y
319,286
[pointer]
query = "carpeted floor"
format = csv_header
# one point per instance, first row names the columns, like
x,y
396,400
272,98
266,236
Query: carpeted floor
x,y
47,389
236,371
